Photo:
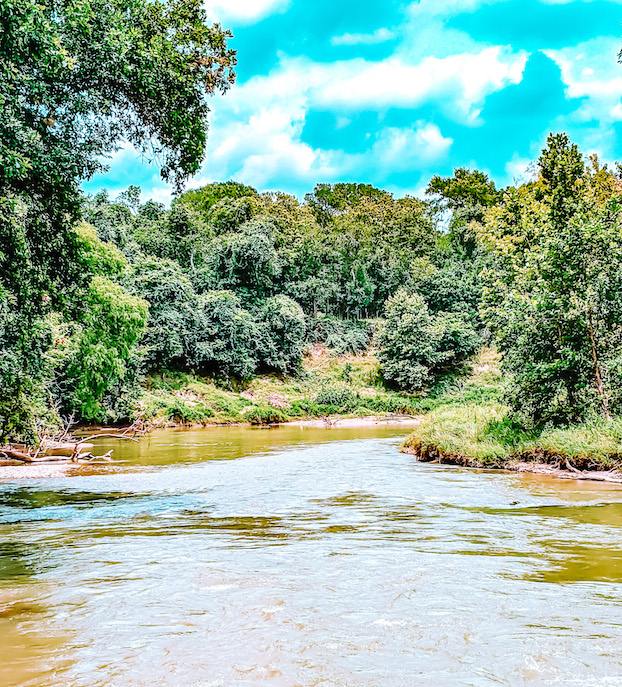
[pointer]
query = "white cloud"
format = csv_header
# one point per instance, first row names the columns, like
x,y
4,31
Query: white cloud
x,y
589,71
257,127
406,149
242,11
379,36
459,82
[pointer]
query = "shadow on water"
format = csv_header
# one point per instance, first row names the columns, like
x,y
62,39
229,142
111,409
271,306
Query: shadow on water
x,y
20,560
609,514
31,498
580,563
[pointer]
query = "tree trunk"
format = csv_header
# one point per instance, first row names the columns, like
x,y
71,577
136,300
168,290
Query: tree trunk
x,y
599,381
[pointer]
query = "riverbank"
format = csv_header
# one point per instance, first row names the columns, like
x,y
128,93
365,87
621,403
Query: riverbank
x,y
472,428
327,388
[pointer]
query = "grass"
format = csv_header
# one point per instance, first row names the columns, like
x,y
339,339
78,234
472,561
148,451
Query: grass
x,y
346,385
470,426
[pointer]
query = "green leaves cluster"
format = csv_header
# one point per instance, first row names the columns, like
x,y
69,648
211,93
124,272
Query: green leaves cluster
x,y
416,346
78,79
552,290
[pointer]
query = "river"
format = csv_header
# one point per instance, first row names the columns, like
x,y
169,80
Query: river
x,y
306,557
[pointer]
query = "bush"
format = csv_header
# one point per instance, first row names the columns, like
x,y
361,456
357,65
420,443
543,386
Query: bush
x,y
224,336
185,413
415,347
341,336
338,396
283,331
264,415
172,308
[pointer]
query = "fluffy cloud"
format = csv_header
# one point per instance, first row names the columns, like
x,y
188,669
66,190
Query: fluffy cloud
x,y
459,82
590,71
242,11
257,129
392,93
407,149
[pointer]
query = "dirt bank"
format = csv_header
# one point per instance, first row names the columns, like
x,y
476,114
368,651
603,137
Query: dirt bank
x,y
331,423
562,470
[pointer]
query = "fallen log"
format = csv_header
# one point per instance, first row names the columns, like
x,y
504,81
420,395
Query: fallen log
x,y
17,455
63,448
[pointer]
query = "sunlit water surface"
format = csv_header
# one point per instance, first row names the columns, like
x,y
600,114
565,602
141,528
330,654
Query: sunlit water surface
x,y
293,556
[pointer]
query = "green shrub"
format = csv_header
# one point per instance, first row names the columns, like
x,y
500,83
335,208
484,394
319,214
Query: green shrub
x,y
224,336
416,347
185,413
337,396
282,327
340,336
264,415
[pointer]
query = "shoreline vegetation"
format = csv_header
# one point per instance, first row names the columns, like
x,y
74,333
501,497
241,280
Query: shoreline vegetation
x,y
461,422
471,427
328,389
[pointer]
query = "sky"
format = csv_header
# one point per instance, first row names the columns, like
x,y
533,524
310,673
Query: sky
x,y
390,93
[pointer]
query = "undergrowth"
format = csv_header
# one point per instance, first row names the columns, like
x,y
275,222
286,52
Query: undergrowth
x,y
469,425
328,384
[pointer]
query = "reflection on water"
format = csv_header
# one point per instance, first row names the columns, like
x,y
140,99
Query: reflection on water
x,y
302,557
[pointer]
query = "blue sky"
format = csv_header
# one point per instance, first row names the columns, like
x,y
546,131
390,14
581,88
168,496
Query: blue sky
x,y
389,93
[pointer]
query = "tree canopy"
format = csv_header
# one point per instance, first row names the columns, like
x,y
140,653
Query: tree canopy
x,y
78,79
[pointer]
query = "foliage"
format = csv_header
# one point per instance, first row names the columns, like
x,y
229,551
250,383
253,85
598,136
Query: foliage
x,y
551,294
283,328
264,415
183,412
172,310
467,195
486,436
77,80
339,397
96,358
340,336
415,346
245,261
224,337
205,198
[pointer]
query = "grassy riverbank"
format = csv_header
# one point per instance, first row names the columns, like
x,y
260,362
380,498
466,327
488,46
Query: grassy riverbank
x,y
470,426
328,385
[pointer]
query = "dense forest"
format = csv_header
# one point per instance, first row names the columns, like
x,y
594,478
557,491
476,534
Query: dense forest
x,y
229,283
96,294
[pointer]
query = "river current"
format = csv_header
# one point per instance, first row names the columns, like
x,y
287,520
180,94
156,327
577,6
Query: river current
x,y
304,557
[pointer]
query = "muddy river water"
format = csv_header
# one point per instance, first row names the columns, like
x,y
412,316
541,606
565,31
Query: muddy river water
x,y
303,557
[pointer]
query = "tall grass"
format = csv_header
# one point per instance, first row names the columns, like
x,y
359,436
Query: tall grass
x,y
470,426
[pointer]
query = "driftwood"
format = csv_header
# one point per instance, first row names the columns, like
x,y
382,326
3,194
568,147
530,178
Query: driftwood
x,y
64,448
48,447
16,455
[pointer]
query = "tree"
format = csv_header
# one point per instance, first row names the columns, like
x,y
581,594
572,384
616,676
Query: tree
x,y
284,330
97,359
467,195
245,261
329,200
552,296
77,79
225,341
173,304
414,346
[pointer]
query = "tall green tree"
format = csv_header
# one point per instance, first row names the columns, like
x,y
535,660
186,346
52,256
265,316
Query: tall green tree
x,y
78,78
466,196
552,294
